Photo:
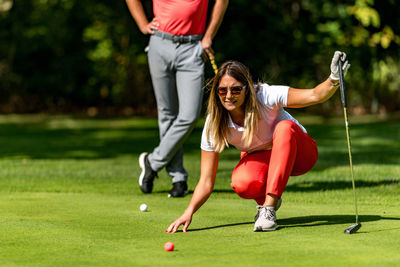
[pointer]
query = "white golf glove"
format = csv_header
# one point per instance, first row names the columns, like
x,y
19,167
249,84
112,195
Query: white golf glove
x,y
335,65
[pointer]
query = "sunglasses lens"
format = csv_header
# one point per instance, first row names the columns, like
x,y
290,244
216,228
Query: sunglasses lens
x,y
222,90
236,90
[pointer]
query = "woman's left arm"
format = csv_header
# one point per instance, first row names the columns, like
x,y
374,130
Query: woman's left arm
x,y
298,98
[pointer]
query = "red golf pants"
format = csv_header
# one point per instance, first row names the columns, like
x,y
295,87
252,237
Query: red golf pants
x,y
260,173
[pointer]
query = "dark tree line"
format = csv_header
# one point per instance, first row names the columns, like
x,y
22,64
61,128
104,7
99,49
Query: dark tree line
x,y
70,55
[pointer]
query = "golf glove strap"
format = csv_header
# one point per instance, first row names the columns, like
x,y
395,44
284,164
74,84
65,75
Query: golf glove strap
x,y
335,65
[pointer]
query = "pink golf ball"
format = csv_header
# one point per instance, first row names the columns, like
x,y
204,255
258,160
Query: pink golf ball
x,y
169,246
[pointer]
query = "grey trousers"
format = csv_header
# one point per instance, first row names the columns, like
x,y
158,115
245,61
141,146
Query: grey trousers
x,y
177,73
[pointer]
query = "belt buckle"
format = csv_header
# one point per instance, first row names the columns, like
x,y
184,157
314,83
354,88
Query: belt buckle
x,y
177,38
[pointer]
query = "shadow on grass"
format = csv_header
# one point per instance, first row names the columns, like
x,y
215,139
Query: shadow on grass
x,y
305,186
191,191
217,226
53,138
311,221
372,143
314,186
37,141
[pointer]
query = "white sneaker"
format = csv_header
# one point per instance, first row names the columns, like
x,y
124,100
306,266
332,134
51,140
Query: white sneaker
x,y
266,220
277,206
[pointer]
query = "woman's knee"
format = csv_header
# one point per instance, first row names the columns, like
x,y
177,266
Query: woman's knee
x,y
247,186
249,176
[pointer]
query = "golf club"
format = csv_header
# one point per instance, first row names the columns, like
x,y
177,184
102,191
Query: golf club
x,y
352,229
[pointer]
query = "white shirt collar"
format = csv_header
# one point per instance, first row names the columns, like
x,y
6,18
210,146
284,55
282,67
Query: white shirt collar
x,y
231,124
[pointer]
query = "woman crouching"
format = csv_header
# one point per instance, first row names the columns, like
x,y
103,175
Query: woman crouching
x,y
273,144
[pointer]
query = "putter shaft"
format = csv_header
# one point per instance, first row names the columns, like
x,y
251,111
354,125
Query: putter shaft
x,y
351,163
357,225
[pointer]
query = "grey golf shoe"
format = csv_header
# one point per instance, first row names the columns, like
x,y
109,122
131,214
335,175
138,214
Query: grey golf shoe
x,y
277,206
266,220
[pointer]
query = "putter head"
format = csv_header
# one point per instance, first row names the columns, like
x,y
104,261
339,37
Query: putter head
x,y
352,229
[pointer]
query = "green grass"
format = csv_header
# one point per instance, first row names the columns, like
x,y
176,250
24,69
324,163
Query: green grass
x,y
69,197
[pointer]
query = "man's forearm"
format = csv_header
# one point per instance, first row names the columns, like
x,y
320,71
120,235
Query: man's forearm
x,y
137,11
217,16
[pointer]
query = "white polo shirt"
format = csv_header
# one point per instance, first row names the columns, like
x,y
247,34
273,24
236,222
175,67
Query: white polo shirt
x,y
274,98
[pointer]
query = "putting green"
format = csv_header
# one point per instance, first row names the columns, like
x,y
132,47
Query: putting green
x,y
69,196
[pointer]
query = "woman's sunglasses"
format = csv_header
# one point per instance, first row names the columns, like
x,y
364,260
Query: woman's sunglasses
x,y
235,90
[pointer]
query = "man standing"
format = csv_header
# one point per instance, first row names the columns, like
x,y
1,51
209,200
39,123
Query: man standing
x,y
179,44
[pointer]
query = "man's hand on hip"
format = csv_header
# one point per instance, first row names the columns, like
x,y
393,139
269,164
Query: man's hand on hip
x,y
151,27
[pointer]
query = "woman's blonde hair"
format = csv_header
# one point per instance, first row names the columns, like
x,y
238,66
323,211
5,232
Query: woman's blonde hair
x,y
218,121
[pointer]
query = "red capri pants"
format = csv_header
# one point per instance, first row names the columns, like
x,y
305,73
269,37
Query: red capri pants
x,y
260,173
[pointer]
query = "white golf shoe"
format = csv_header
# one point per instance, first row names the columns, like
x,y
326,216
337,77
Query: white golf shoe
x,y
266,220
277,206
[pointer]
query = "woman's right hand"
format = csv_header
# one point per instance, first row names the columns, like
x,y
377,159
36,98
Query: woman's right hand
x,y
204,188
184,220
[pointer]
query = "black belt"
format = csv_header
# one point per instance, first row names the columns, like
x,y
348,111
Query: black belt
x,y
179,38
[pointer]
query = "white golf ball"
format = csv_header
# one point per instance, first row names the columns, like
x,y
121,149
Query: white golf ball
x,y
143,207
